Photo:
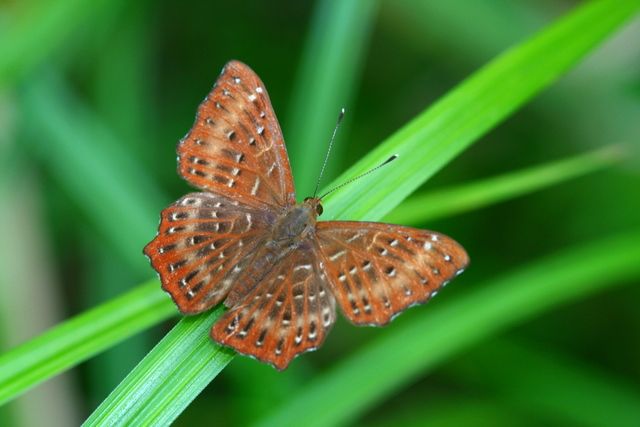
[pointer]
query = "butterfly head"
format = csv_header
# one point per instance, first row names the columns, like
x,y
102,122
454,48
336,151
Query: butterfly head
x,y
314,204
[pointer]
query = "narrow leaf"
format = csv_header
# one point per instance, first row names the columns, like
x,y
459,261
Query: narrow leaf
x,y
463,198
422,339
81,337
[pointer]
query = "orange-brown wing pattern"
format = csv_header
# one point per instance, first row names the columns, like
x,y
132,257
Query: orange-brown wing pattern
x,y
377,270
204,242
235,146
290,312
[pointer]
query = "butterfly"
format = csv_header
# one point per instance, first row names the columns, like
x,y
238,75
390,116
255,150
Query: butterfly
x,y
244,241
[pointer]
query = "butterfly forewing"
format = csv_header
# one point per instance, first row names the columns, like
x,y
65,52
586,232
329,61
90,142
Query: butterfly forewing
x,y
204,242
235,146
288,313
378,270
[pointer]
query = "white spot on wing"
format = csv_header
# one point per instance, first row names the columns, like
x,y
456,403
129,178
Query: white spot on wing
x,y
256,185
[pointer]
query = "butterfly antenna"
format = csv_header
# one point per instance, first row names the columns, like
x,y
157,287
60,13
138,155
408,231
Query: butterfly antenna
x,y
389,160
326,157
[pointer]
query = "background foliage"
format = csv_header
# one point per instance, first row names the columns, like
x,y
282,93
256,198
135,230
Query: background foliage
x,y
543,329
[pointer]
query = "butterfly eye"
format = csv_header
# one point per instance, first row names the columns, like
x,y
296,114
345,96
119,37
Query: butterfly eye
x,y
319,209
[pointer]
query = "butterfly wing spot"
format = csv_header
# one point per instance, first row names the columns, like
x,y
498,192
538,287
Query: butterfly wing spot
x,y
279,345
260,130
176,265
252,97
390,271
190,201
167,248
313,333
366,305
256,185
427,246
231,135
260,340
286,318
259,89
447,258
354,237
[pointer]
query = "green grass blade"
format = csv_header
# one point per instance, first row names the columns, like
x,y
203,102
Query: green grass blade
x,y
421,339
41,28
85,157
326,81
563,390
436,136
144,398
490,95
478,194
452,411
81,337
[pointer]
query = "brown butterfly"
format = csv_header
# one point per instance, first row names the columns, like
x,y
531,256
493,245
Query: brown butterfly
x,y
246,242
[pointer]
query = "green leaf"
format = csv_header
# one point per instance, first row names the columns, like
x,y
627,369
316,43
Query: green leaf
x,y
85,157
327,79
143,398
81,337
554,386
426,145
39,29
443,131
421,339
462,198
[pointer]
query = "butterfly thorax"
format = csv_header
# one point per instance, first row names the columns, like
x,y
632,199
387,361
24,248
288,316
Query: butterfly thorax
x,y
297,223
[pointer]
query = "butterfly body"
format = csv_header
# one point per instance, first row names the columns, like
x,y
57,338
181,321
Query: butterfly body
x,y
292,231
243,241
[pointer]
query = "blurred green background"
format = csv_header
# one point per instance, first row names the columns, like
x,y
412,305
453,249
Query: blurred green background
x,y
94,96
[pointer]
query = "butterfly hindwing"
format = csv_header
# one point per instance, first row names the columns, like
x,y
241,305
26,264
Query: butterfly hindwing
x,y
377,270
235,146
204,242
289,312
